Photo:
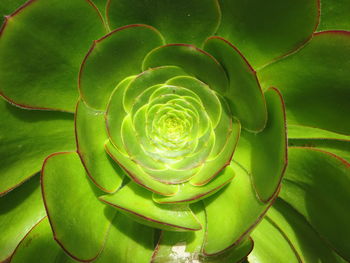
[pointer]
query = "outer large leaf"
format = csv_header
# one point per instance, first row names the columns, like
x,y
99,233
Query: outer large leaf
x,y
78,219
265,30
38,246
27,137
316,88
180,21
20,210
41,48
317,185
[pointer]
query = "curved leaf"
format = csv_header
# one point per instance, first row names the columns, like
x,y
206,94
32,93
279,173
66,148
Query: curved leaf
x,y
27,137
244,90
41,48
334,15
20,210
238,200
39,246
318,96
317,185
73,208
91,134
266,30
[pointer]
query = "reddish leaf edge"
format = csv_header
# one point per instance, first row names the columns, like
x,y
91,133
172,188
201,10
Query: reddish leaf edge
x,y
9,259
301,45
252,70
247,231
49,218
81,157
285,154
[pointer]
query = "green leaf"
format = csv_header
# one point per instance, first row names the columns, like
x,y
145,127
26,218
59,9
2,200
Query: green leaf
x,y
7,7
334,15
20,210
127,242
137,174
192,60
27,137
188,193
305,240
244,90
271,245
315,88
303,132
99,74
74,211
264,154
179,21
266,30
137,203
91,136
40,247
317,185
42,46
238,200
175,247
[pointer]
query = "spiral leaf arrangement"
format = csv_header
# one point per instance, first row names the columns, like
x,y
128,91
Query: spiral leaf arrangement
x,y
173,146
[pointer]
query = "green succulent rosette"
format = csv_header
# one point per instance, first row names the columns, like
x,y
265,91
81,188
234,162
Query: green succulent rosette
x,y
158,131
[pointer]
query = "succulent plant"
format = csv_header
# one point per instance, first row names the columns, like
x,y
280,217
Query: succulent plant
x,y
160,131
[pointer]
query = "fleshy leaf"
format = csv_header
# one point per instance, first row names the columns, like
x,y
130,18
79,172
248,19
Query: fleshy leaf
x,y
30,136
334,15
315,88
180,21
238,200
264,154
91,136
192,60
20,210
270,243
244,90
188,193
317,185
127,242
305,240
137,203
135,172
99,74
74,211
39,247
263,30
41,49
